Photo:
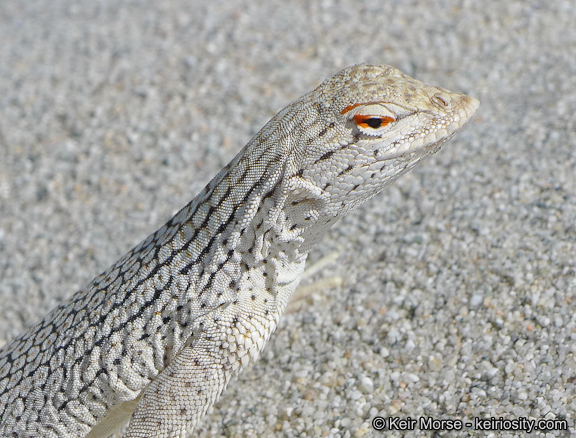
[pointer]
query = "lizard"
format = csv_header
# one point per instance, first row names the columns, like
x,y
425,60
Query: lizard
x,y
153,341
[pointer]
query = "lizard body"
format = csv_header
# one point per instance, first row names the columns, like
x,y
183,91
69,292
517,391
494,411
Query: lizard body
x,y
154,340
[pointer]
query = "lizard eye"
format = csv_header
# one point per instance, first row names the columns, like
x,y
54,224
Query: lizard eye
x,y
371,118
374,122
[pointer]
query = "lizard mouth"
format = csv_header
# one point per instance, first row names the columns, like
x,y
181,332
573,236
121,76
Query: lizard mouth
x,y
431,140
420,147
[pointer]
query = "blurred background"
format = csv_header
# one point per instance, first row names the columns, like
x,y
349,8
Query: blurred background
x,y
450,295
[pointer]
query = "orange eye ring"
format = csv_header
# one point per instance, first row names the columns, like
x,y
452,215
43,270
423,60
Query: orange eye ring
x,y
374,122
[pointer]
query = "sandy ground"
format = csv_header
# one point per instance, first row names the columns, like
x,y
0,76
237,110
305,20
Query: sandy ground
x,y
451,295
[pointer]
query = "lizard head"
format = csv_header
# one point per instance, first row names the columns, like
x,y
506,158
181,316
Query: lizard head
x,y
374,124
340,144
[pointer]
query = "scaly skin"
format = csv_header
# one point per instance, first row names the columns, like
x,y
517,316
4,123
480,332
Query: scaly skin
x,y
155,339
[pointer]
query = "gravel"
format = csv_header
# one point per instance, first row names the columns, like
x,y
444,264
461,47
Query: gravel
x,y
451,295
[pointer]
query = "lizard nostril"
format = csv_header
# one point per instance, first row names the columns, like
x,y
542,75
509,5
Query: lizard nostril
x,y
441,101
